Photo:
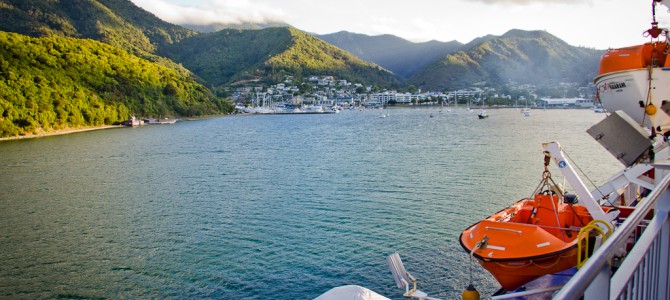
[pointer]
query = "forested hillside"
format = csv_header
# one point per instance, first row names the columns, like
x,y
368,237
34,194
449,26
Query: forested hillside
x,y
116,22
534,57
59,82
231,55
214,27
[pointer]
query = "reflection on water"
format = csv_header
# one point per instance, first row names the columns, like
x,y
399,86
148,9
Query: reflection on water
x,y
269,207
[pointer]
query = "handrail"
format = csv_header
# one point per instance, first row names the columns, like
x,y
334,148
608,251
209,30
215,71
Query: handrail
x,y
577,285
584,234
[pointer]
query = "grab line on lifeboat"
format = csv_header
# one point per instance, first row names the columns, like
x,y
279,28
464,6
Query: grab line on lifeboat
x,y
519,232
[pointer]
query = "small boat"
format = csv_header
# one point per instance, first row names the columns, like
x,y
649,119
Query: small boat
x,y
150,121
539,235
528,239
526,112
483,114
133,122
167,121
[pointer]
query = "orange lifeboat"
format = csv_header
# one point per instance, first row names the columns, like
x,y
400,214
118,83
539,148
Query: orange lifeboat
x,y
634,80
528,239
634,57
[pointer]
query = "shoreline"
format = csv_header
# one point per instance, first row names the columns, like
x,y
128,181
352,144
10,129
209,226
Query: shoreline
x,y
84,129
59,132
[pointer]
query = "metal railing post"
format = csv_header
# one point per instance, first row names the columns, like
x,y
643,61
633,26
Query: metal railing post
x,y
663,207
644,272
600,286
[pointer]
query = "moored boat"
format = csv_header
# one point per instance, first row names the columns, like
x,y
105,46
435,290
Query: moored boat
x,y
133,122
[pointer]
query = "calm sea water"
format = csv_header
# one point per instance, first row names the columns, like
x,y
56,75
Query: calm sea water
x,y
269,207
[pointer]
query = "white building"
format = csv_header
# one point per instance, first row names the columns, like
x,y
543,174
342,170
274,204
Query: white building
x,y
566,103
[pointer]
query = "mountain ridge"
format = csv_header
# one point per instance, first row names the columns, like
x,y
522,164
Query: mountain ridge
x,y
231,55
401,56
534,57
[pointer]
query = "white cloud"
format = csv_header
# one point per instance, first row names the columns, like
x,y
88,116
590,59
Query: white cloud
x,y
211,11
592,23
527,2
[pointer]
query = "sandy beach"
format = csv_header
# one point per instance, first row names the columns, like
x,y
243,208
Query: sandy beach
x,y
59,132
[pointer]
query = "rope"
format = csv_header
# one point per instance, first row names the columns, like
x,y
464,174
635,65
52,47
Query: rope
x,y
649,71
606,197
481,244
547,177
531,262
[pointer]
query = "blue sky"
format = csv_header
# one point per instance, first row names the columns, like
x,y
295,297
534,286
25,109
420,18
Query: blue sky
x,y
598,24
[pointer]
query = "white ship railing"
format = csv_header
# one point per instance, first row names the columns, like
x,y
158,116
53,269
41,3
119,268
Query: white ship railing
x,y
643,274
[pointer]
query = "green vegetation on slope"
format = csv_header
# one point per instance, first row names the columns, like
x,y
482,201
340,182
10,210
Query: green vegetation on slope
x,y
308,55
534,57
57,82
230,55
116,22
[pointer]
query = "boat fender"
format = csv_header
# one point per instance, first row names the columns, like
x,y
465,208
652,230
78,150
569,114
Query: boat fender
x,y
470,293
650,109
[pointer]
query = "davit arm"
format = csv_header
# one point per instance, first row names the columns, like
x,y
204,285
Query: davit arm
x,y
585,196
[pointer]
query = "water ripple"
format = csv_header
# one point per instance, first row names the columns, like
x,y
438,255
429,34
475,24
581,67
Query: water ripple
x,y
268,207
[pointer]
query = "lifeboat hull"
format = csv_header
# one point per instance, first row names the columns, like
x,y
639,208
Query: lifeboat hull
x,y
624,91
624,81
514,274
527,240
515,258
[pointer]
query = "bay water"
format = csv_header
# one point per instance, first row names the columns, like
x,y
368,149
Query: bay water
x,y
271,206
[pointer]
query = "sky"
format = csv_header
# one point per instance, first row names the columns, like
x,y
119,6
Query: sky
x,y
599,24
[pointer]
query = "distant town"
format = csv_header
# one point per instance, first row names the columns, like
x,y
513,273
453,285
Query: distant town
x,y
328,92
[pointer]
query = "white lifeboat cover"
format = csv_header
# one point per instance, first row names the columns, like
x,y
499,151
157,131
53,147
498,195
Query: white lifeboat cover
x,y
350,292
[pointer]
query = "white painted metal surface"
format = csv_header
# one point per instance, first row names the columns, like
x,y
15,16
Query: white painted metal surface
x,y
644,272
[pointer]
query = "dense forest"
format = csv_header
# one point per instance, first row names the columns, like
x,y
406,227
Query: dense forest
x,y
232,55
59,82
308,55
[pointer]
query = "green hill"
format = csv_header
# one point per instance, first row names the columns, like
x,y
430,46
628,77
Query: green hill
x,y
230,56
60,82
214,27
116,22
535,57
